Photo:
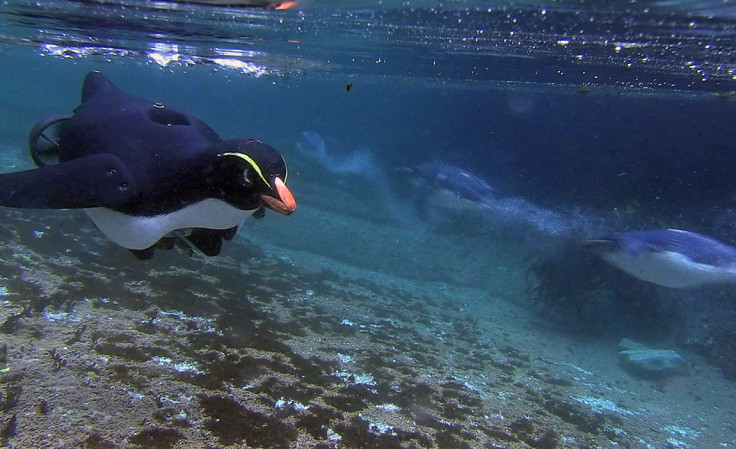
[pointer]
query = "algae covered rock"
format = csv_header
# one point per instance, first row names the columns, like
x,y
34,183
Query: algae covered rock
x,y
650,363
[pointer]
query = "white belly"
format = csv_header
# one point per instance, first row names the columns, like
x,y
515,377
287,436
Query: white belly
x,y
135,232
670,269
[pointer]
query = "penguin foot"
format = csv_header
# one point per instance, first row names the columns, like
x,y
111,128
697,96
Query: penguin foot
x,y
143,254
209,241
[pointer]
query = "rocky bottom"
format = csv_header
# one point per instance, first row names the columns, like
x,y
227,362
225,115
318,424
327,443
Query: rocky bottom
x,y
266,348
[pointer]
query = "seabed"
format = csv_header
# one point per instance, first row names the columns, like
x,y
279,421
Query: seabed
x,y
268,348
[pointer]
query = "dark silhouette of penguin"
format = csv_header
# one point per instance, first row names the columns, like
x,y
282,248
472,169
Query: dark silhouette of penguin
x,y
148,175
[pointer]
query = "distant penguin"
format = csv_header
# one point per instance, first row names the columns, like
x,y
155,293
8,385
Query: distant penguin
x,y
454,190
447,188
148,175
461,183
669,257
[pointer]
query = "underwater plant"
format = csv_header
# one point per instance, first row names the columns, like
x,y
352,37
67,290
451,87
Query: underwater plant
x,y
572,288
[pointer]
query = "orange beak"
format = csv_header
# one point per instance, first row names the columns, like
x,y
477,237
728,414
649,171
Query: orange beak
x,y
285,203
280,5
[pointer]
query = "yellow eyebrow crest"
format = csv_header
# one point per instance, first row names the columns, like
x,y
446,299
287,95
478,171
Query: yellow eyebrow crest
x,y
252,163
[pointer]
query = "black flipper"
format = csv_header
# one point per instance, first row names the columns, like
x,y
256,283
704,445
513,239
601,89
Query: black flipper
x,y
91,181
209,241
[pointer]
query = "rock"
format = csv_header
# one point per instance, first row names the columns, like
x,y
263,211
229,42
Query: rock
x,y
650,363
626,345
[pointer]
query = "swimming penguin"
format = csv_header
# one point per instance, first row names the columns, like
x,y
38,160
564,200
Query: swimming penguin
x,y
459,182
440,186
669,257
148,175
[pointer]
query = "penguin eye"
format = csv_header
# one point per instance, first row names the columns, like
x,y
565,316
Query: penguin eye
x,y
247,177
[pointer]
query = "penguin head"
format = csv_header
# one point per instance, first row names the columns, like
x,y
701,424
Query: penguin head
x,y
259,174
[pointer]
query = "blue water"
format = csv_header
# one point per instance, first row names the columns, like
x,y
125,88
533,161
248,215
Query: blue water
x,y
401,314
